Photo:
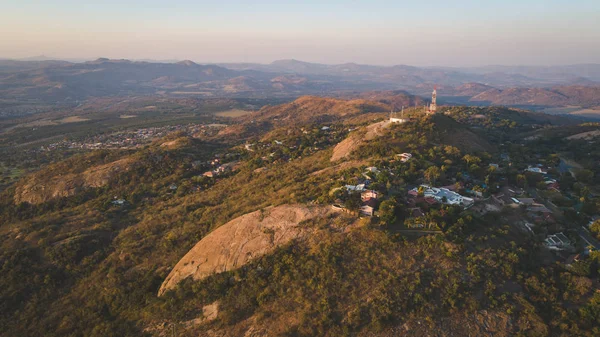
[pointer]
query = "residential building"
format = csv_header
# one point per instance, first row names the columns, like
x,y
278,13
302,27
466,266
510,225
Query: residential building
x,y
535,170
355,188
366,210
416,212
557,241
373,169
369,194
538,208
404,157
526,201
445,196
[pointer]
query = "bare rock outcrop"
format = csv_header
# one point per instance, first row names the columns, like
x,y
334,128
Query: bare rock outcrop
x,y
356,139
243,239
344,148
39,188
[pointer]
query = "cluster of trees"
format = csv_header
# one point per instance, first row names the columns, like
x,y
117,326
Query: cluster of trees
x,y
81,266
344,283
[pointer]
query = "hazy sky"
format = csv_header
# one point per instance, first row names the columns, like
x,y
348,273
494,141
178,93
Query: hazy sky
x,y
434,32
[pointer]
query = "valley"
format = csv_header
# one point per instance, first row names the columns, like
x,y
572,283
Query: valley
x,y
28,87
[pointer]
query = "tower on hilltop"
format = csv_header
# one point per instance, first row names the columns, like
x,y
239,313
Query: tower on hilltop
x,y
432,109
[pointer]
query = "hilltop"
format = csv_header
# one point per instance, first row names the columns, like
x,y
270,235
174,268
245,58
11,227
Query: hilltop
x,y
305,111
556,96
315,109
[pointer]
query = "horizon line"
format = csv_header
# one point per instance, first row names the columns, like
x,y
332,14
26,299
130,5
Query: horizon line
x,y
44,58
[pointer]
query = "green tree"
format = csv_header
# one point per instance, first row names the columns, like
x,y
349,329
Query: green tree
x,y
595,228
472,160
353,203
452,151
584,175
432,174
387,211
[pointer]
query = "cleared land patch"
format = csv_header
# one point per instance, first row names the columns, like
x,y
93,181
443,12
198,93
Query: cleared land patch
x,y
233,113
585,135
72,119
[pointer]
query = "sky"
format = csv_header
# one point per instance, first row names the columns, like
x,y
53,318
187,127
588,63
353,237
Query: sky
x,y
420,33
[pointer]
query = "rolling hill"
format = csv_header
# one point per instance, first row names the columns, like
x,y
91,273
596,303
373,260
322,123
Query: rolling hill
x,y
555,96
262,246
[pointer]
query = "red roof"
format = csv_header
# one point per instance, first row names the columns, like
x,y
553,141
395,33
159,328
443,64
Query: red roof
x,y
431,201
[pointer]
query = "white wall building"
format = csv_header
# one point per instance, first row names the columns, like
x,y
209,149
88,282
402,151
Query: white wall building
x,y
445,196
557,241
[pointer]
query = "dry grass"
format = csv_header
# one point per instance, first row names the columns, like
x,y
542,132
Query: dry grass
x,y
72,119
233,113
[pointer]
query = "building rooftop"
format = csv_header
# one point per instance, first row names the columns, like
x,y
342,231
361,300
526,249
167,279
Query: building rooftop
x,y
446,196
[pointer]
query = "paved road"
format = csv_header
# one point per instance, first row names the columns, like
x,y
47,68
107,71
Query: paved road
x,y
415,231
588,238
584,234
534,193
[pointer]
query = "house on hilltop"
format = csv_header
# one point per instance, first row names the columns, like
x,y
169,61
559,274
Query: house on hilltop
x,y
444,196
366,210
404,157
369,194
355,188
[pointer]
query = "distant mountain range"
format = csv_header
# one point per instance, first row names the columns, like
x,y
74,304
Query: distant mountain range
x,y
409,75
52,81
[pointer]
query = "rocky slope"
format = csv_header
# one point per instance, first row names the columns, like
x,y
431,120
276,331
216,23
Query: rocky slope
x,y
355,140
308,109
242,240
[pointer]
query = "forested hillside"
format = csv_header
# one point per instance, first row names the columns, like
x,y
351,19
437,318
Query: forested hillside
x,y
87,242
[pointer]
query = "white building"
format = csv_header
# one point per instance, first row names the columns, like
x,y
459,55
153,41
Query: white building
x,y
395,119
535,170
355,188
557,241
445,196
372,169
404,157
